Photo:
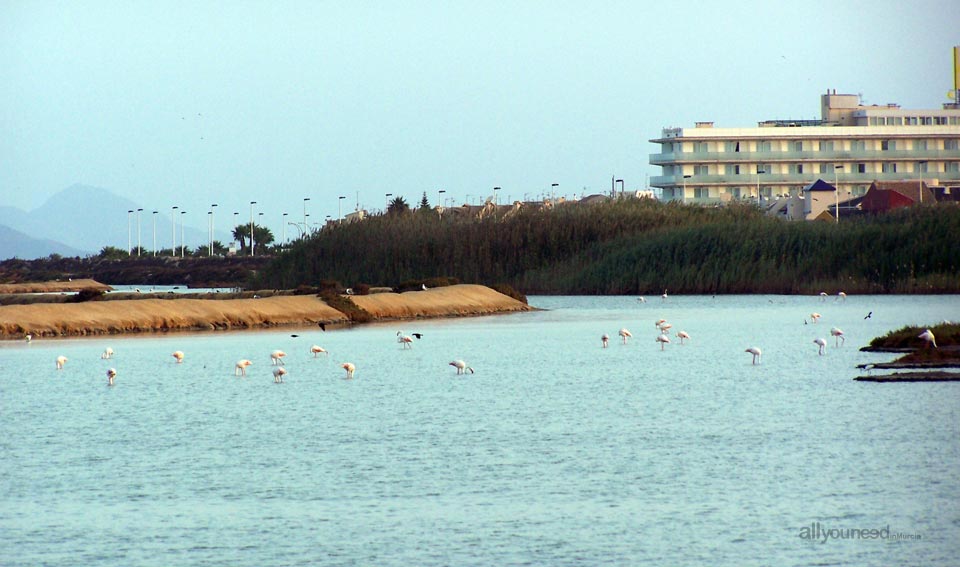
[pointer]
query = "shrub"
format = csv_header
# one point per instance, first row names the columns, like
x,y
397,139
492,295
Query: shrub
x,y
88,294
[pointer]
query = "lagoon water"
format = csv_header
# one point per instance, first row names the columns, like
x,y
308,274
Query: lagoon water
x,y
555,452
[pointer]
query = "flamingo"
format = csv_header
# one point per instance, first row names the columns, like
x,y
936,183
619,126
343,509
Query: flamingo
x,y
659,322
278,375
605,340
316,349
820,343
823,296
683,335
241,368
927,335
349,367
406,341
841,296
838,334
276,357
178,354
461,366
664,296
664,327
107,353
756,352
624,334
28,337
663,340
111,374
61,360
815,317
642,299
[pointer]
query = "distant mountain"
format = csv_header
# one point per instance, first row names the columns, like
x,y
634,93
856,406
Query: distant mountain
x,y
15,244
90,218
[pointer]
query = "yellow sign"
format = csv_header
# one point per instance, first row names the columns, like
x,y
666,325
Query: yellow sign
x,y
956,67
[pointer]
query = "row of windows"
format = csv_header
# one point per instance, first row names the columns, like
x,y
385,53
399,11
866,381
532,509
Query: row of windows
x,y
751,192
914,120
821,168
734,146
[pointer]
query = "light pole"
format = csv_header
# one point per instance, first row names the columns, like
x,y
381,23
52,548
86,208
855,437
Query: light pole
x,y
683,197
759,171
129,212
340,209
553,187
138,231
173,235
496,195
283,223
836,189
620,181
252,203
260,218
212,227
305,199
440,193
182,242
386,202
209,233
922,165
155,232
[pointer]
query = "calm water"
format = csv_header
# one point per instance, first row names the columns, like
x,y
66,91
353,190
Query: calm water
x,y
556,452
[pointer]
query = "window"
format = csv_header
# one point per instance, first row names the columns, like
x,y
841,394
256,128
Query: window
x,y
894,121
798,146
731,146
826,145
734,192
888,145
668,148
826,168
700,147
889,167
763,168
951,144
953,166
701,170
858,145
731,169
940,120
926,121
920,144
910,120
861,168
920,167
763,146
796,168
701,192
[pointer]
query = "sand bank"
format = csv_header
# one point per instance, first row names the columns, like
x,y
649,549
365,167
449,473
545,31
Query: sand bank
x,y
53,287
153,315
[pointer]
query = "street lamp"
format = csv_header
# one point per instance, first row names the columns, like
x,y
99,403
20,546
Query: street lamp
x,y
305,199
553,187
923,165
340,209
155,232
173,235
620,181
496,196
252,203
138,231
283,223
760,170
210,233
386,201
182,242
836,188
440,193
684,196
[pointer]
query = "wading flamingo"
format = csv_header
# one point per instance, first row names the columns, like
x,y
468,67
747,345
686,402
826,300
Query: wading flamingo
x,y
642,299
664,327
683,336
756,352
659,322
406,341
107,353
61,360
663,340
276,357
823,296
841,296
927,335
178,354
461,366
822,343
111,374
815,317
316,349
349,367
605,340
278,375
624,334
838,334
241,368
664,296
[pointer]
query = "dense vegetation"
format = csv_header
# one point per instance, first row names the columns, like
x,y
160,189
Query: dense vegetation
x,y
637,247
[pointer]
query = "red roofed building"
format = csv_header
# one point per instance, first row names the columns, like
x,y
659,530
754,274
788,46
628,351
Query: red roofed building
x,y
883,196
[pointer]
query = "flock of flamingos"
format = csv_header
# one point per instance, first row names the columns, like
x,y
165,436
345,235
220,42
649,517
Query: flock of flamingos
x,y
406,341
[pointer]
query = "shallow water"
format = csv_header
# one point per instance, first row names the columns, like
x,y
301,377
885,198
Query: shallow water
x,y
555,452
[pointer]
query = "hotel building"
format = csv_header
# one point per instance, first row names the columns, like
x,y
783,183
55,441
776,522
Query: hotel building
x,y
850,147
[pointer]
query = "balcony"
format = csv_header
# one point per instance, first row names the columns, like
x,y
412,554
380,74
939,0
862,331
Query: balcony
x,y
748,179
825,156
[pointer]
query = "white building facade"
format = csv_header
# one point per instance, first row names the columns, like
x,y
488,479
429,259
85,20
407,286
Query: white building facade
x,y
850,146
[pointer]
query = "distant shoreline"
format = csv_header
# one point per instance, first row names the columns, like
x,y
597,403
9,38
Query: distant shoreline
x,y
96,318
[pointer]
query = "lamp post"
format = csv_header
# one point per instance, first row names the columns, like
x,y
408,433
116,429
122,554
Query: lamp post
x,y
340,209
620,181
553,192
305,199
129,212
386,202
155,232
138,231
182,241
836,189
212,228
440,193
496,195
684,196
173,235
210,233
260,219
252,203
283,224
922,165
760,169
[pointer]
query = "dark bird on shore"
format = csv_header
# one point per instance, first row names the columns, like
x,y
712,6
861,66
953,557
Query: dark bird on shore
x,y
294,336
868,315
322,325
418,335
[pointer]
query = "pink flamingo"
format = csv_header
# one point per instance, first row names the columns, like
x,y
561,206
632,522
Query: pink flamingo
x,y
683,335
663,340
461,366
820,343
349,367
241,368
838,334
756,352
60,362
178,354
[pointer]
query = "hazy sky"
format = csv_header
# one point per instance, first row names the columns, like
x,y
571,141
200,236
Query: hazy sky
x,y
193,103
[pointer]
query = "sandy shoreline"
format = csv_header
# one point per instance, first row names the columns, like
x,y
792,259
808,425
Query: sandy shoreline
x,y
53,287
159,315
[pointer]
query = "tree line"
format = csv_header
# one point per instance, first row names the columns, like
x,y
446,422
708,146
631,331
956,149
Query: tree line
x,y
635,246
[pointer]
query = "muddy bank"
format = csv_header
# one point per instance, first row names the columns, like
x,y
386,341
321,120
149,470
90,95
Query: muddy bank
x,y
158,315
912,377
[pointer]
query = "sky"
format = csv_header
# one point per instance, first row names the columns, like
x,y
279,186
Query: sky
x,y
194,103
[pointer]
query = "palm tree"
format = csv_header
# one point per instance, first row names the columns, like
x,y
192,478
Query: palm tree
x,y
240,233
398,206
